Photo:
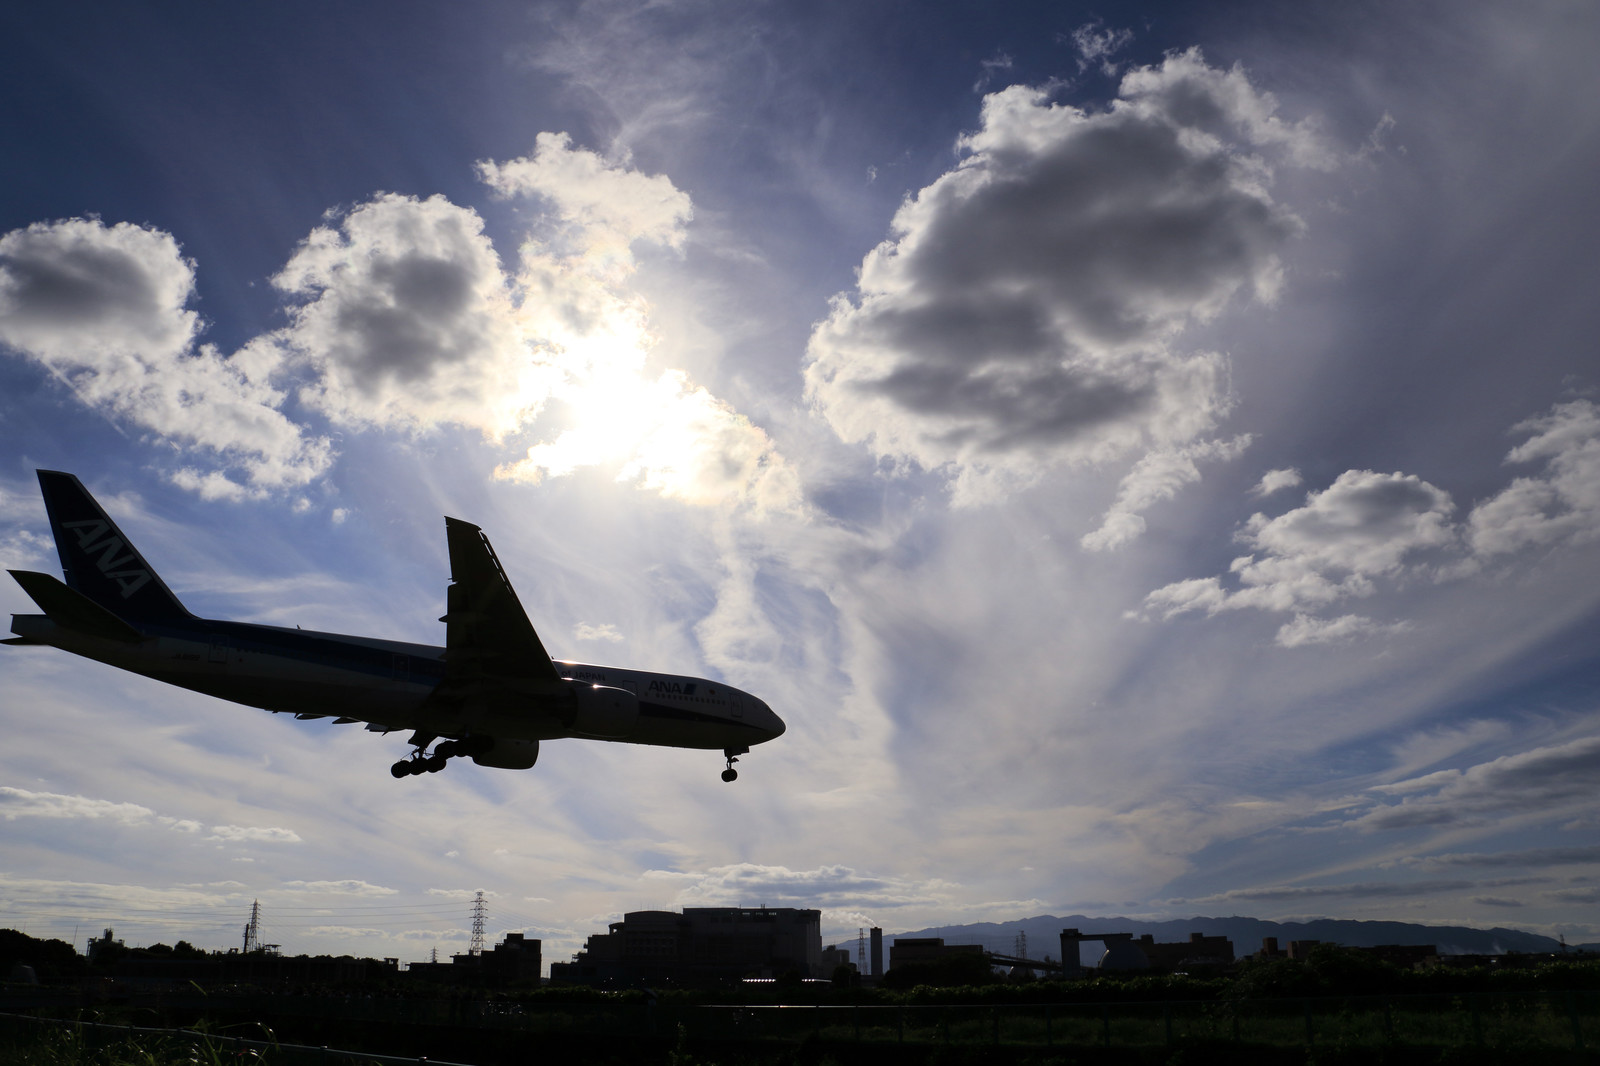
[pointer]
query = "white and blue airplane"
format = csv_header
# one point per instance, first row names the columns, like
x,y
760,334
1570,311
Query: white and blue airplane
x,y
492,693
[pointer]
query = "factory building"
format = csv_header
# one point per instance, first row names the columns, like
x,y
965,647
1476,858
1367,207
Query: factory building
x,y
921,950
703,945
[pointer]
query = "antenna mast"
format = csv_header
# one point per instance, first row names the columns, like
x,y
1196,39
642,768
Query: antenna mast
x,y
479,910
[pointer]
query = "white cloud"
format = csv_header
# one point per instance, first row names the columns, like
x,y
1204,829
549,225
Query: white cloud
x,y
659,431
408,322
1097,44
1305,630
20,803
1358,890
668,436
1025,308
241,834
1546,781
1527,859
104,308
1276,480
1364,526
348,887
1158,476
1562,505
609,204
1367,526
604,631
749,884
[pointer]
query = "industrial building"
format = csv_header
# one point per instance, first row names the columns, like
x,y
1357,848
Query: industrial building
x,y
703,945
921,950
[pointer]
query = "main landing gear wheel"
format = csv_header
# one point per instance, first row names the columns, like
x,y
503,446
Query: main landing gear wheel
x,y
730,774
421,763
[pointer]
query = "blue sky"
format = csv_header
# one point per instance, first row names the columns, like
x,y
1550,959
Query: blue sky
x,y
1150,455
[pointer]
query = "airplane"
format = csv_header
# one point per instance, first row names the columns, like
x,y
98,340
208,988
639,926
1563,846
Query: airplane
x,y
491,694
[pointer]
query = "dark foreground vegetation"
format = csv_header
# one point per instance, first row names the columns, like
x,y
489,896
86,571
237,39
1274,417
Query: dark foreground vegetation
x,y
1336,1006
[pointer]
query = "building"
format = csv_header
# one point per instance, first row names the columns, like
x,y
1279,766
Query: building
x,y
919,950
834,956
1198,951
703,945
516,958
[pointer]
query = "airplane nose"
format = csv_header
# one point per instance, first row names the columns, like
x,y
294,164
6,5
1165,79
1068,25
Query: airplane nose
x,y
775,724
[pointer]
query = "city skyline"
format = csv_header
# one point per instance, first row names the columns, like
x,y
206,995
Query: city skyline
x,y
1148,456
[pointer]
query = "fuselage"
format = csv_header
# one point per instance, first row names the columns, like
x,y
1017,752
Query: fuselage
x,y
391,684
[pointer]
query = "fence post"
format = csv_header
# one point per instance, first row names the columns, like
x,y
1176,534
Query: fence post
x,y
1166,1019
1577,1025
1049,1032
1105,1023
1311,1036
994,1020
1477,1023
900,1024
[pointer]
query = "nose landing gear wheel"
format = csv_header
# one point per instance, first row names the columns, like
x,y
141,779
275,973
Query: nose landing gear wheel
x,y
730,774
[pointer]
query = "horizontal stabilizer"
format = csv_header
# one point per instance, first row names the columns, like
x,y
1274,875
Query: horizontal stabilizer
x,y
73,610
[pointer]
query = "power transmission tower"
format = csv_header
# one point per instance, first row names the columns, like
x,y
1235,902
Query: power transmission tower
x,y
479,910
252,928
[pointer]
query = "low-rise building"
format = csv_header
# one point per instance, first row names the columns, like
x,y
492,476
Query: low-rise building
x,y
703,945
1198,951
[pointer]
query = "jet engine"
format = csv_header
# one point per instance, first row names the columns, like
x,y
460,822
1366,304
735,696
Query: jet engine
x,y
509,754
602,711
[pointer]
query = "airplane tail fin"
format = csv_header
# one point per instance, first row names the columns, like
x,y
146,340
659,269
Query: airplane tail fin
x,y
98,561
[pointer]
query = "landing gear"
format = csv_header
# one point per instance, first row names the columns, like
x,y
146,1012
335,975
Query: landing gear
x,y
730,774
420,763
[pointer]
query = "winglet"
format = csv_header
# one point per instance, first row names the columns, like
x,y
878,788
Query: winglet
x,y
98,561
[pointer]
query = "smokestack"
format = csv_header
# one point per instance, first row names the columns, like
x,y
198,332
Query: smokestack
x,y
877,952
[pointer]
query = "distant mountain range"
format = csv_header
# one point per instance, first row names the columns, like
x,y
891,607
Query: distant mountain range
x,y
1044,934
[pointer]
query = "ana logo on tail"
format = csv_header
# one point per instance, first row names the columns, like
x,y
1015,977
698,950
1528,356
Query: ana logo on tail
x,y
89,532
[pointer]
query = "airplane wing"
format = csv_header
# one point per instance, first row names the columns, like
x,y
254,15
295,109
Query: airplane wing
x,y
488,637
